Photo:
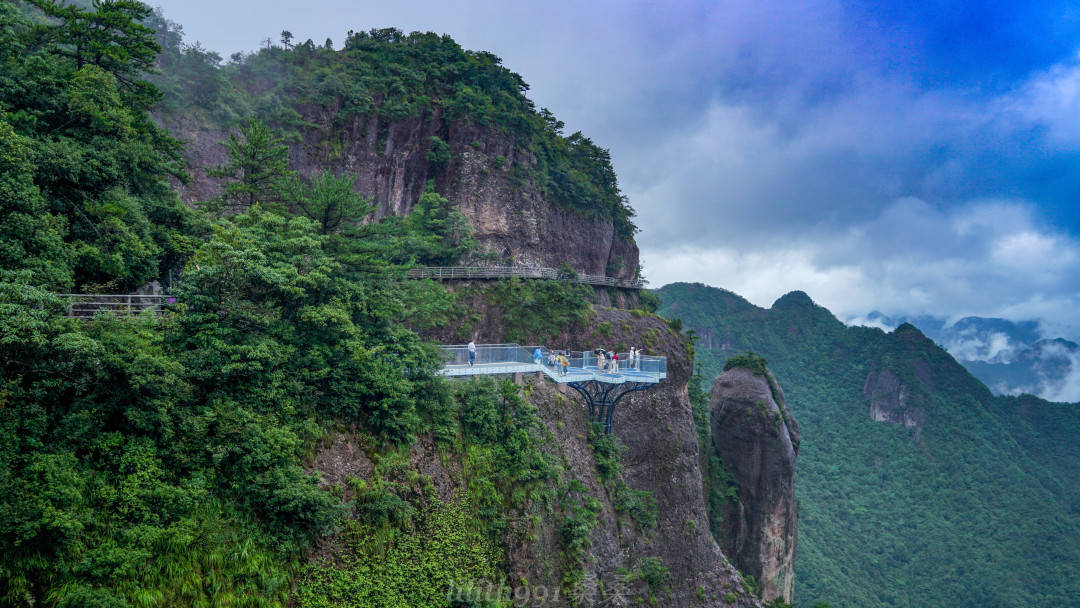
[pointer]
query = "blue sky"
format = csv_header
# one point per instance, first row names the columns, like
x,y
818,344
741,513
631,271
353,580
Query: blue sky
x,y
914,158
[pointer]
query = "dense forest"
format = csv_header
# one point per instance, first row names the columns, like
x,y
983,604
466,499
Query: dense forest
x,y
391,76
166,460
974,502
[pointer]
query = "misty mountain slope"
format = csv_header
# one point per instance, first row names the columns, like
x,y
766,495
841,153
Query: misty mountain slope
x,y
1010,357
917,486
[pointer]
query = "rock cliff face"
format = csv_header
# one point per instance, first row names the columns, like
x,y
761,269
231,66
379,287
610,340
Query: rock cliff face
x,y
757,441
489,176
889,400
660,456
657,428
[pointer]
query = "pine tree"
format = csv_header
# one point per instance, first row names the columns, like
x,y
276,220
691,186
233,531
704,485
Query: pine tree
x,y
329,200
258,165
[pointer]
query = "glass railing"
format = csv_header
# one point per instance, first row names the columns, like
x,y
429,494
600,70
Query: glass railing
x,y
487,354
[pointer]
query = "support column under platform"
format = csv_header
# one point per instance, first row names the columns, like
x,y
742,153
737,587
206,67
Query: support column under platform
x,y
602,397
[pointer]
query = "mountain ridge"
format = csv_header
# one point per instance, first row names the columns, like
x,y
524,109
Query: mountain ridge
x,y
899,440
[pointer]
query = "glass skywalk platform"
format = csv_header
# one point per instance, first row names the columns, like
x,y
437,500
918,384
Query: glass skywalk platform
x,y
583,366
600,386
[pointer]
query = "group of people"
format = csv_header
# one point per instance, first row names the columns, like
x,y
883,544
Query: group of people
x,y
609,362
558,360
606,362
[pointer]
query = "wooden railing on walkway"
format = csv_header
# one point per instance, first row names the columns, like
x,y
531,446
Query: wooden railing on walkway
x,y
505,272
86,305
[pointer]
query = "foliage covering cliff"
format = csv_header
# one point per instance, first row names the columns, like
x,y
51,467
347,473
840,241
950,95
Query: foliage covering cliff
x,y
917,487
397,110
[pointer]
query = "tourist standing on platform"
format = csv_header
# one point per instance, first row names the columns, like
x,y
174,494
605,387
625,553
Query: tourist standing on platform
x,y
472,352
551,358
632,359
600,360
614,363
538,356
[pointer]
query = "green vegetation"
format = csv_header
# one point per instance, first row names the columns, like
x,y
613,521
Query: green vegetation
x,y
388,76
407,568
578,523
656,577
258,165
408,547
650,302
439,153
640,505
751,361
539,309
167,461
721,489
85,191
975,506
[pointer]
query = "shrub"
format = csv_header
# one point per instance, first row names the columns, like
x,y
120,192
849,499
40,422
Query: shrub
x,y
749,360
438,154
604,328
655,575
650,302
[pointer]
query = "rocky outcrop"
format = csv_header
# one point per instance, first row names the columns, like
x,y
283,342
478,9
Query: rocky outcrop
x,y
660,456
490,176
890,400
757,441
657,428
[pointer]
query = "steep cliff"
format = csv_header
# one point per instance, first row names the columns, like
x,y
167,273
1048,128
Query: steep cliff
x,y
757,440
909,469
630,556
621,518
890,400
513,222
395,111
277,435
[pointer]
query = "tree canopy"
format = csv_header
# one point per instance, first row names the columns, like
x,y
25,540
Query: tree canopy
x,y
395,76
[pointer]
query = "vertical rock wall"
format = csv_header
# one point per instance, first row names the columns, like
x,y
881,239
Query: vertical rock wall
x,y
490,177
757,440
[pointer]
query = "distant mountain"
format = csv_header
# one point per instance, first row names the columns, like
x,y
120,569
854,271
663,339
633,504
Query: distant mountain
x,y
917,486
1047,368
1010,357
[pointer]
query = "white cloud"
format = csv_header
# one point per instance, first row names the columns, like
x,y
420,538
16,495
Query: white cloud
x,y
865,321
1055,386
1052,99
993,348
913,258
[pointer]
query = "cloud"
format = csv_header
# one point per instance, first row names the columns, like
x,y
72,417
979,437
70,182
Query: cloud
x,y
995,347
1051,98
987,258
866,321
891,196
1058,372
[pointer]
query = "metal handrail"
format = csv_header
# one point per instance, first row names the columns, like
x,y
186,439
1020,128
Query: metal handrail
x,y
525,272
457,354
86,305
